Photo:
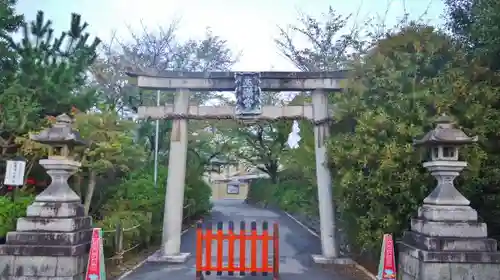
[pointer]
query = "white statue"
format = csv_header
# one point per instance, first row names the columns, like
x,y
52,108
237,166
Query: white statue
x,y
294,137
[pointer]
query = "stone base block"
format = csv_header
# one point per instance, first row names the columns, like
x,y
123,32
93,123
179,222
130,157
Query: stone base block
x,y
447,213
32,267
320,259
449,228
49,238
417,264
449,244
76,277
158,256
44,250
55,209
53,224
450,256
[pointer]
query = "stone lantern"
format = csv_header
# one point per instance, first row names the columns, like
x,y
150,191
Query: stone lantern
x,y
59,165
446,240
443,143
52,241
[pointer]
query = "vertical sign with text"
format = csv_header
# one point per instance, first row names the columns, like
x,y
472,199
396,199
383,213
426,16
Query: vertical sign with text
x,y
14,173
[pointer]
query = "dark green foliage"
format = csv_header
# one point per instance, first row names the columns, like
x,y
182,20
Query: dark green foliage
x,y
11,210
261,192
476,23
395,92
292,193
9,23
137,193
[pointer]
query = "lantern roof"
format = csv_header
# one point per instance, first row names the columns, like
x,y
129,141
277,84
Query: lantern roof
x,y
60,133
445,132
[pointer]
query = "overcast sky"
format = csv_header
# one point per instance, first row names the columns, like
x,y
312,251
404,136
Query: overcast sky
x,y
249,26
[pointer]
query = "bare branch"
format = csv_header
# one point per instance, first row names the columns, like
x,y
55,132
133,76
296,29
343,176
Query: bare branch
x,y
328,50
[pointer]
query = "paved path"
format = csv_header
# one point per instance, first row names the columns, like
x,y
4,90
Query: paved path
x,y
296,247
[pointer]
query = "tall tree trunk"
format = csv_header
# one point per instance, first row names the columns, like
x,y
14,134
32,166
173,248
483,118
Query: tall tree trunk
x,y
274,177
273,172
90,191
77,187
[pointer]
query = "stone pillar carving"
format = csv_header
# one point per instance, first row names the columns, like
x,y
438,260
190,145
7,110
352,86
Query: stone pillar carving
x,y
52,241
174,198
446,240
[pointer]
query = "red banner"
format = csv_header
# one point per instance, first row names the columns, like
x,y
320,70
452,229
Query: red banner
x,y
389,267
95,267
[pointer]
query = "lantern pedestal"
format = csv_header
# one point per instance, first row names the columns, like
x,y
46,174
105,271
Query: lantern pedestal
x,y
446,240
59,170
52,241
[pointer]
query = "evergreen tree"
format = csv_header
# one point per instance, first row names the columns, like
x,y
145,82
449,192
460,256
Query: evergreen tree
x,y
41,74
53,68
476,23
395,93
9,23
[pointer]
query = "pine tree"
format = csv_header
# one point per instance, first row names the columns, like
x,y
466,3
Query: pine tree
x,y
9,23
54,68
40,74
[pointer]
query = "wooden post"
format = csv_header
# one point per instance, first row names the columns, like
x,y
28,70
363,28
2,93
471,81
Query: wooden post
x,y
118,244
149,217
276,252
188,212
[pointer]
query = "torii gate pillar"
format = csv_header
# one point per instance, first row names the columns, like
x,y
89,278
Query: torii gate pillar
x,y
329,244
248,87
174,199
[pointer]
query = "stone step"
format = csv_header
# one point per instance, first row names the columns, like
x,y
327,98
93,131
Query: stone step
x,y
448,244
449,228
55,209
41,250
53,224
449,256
48,238
43,267
447,213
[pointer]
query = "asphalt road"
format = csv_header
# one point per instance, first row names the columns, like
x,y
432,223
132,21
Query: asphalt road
x,y
296,247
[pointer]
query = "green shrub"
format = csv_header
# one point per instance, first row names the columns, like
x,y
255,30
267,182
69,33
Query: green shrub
x,y
292,193
136,196
197,196
136,225
137,192
261,192
10,211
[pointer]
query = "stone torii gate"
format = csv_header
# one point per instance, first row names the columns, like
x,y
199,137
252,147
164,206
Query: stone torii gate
x,y
247,87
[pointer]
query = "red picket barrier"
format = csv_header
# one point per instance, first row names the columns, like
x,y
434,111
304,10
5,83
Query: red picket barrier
x,y
205,237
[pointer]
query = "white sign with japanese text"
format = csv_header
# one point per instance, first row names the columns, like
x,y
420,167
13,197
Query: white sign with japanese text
x,y
14,174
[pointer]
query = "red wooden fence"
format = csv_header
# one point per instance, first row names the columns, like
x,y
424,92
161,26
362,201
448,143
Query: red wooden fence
x,y
206,236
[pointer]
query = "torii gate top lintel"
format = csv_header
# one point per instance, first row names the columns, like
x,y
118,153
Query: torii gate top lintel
x,y
225,81
341,74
